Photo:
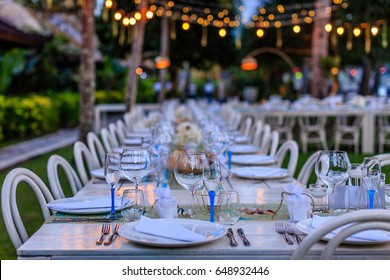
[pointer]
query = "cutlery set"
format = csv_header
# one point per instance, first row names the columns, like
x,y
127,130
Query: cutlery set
x,y
286,230
233,242
106,230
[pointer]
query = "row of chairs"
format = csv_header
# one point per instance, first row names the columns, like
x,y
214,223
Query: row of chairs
x,y
87,158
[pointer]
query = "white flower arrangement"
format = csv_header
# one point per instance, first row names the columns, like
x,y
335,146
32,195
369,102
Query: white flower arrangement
x,y
182,112
187,132
151,120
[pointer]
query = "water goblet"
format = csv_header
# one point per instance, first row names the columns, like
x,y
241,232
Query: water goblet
x,y
136,164
371,178
332,167
133,204
190,169
319,194
112,175
228,207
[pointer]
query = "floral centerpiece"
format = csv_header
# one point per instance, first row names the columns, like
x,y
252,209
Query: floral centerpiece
x,y
187,133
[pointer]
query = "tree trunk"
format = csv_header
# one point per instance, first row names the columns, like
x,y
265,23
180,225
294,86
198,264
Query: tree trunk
x,y
319,48
87,69
365,83
164,50
136,58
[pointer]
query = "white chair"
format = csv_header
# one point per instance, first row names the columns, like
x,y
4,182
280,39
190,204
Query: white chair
x,y
121,130
289,147
246,126
271,144
108,140
307,169
384,159
11,216
96,147
85,161
53,164
312,130
284,125
256,132
384,132
353,222
113,129
348,134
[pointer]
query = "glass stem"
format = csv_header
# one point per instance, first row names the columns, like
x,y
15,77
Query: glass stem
x,y
113,200
212,197
193,204
332,188
371,195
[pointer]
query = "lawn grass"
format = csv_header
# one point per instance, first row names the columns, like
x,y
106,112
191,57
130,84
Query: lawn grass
x,y
31,213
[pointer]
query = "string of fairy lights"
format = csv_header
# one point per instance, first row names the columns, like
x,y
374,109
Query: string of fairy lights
x,y
227,17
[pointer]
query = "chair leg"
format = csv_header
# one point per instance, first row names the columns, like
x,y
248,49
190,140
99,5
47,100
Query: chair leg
x,y
356,142
337,140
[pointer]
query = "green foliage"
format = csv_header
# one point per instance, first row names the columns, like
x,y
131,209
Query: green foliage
x,y
68,107
145,93
11,63
29,116
102,97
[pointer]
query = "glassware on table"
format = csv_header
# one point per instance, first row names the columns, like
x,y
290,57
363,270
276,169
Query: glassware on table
x,y
371,178
212,181
387,196
136,164
133,204
332,167
190,169
228,207
112,173
319,193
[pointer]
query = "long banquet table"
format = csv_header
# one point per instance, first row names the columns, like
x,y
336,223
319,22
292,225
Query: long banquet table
x,y
76,240
368,118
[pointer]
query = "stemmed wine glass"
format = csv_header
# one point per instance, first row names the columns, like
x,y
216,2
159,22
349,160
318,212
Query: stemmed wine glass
x,y
190,170
136,164
112,173
371,177
212,181
332,167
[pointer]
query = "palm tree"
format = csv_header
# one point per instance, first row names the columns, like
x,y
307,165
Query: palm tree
x,y
87,69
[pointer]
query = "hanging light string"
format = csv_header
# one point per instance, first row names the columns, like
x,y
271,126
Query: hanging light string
x,y
212,14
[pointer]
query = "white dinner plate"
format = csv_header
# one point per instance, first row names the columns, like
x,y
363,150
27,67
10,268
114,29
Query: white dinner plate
x,y
261,172
210,231
241,139
253,159
244,149
99,173
305,227
85,205
132,141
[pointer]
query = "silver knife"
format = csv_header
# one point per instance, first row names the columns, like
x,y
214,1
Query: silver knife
x,y
243,237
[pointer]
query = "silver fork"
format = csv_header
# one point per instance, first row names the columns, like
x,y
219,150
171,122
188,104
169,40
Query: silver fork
x,y
115,231
291,231
105,230
281,230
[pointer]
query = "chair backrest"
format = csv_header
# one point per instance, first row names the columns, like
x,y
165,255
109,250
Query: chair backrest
x,y
264,135
290,147
246,126
96,147
56,161
128,120
271,144
84,160
12,219
113,129
256,132
354,222
107,140
384,159
307,169
121,130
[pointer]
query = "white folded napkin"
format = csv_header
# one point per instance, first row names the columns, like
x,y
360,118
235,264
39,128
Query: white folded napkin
x,y
257,172
132,141
74,203
368,235
167,229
